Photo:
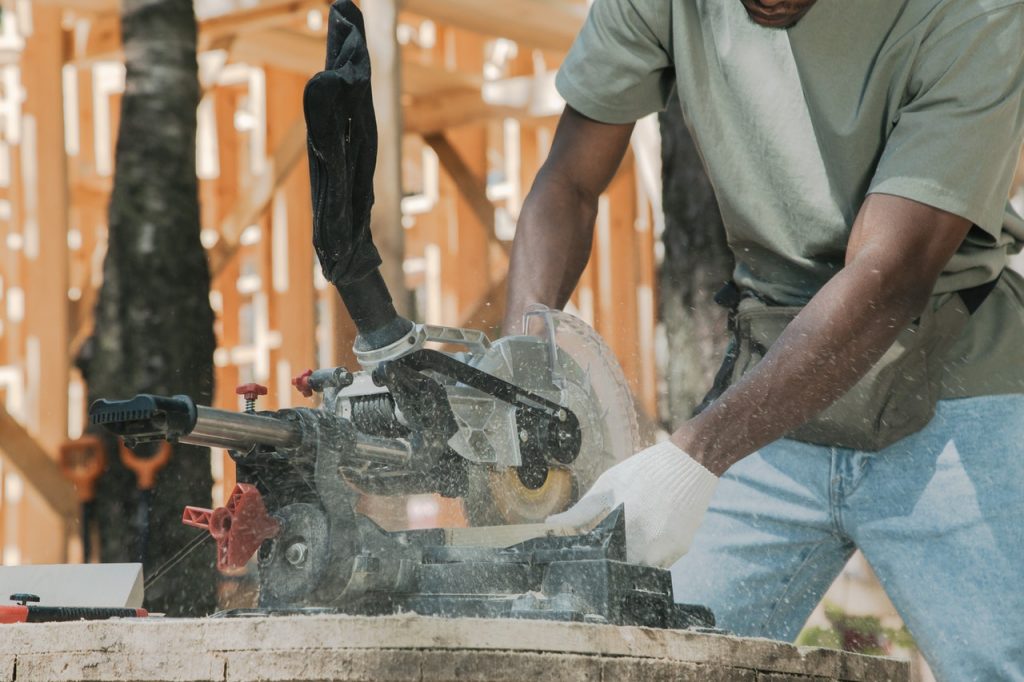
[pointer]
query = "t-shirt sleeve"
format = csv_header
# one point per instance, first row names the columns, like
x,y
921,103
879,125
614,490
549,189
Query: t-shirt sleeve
x,y
619,69
957,138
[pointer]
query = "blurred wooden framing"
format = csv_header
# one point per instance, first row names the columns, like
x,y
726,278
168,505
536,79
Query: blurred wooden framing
x,y
466,112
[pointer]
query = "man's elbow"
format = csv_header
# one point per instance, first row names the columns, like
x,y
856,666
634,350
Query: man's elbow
x,y
553,177
903,246
907,290
901,287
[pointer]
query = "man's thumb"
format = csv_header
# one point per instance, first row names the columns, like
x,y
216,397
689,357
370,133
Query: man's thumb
x,y
584,514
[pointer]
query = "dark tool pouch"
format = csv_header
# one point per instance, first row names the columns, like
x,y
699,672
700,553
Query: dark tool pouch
x,y
897,396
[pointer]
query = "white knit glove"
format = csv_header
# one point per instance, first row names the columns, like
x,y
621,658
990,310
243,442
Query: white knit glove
x,y
666,493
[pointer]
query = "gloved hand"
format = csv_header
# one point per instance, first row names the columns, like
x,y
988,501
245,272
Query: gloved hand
x,y
666,493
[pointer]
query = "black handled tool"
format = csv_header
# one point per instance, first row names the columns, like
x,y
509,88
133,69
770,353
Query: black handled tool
x,y
25,611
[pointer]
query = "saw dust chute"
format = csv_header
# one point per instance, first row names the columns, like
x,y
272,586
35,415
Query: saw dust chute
x,y
517,427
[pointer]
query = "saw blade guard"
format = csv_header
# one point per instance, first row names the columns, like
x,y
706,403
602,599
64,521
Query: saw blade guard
x,y
587,379
604,399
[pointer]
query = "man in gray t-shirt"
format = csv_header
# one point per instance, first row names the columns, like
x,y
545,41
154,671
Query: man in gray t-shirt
x,y
862,153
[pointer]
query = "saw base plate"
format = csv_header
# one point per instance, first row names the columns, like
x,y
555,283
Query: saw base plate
x,y
575,578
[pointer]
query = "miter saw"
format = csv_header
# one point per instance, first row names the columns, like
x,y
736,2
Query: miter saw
x,y
518,428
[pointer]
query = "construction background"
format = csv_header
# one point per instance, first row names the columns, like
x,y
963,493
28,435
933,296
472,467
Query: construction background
x,y
466,108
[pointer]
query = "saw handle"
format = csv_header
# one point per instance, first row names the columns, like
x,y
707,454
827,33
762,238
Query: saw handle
x,y
146,418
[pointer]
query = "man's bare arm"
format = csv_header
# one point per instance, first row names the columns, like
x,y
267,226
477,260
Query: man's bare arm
x,y
556,225
897,250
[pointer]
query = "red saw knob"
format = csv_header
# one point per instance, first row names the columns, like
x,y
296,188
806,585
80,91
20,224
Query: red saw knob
x,y
301,384
251,391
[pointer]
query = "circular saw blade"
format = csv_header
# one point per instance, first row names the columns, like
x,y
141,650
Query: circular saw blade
x,y
589,381
594,387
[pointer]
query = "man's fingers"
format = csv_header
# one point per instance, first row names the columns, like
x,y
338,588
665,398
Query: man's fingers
x,y
584,514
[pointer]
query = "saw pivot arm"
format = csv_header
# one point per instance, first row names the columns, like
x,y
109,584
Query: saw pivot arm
x,y
553,428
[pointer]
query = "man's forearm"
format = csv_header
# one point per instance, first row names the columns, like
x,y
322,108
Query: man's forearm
x,y
551,248
897,249
556,225
830,345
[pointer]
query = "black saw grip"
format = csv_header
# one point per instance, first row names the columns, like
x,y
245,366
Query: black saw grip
x,y
146,418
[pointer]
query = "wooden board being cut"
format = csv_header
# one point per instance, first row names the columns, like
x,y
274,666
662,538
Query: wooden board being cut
x,y
504,536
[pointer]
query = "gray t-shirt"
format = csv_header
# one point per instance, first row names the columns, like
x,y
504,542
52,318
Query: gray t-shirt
x,y
922,99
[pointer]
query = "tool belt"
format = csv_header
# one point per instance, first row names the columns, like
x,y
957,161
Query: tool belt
x,y
897,396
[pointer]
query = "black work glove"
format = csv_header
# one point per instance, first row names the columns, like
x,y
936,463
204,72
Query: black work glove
x,y
342,145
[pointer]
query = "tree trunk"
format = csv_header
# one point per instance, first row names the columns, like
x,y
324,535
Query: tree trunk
x,y
154,324
697,263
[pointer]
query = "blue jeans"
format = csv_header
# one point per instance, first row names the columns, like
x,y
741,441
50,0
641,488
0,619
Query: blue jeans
x,y
939,516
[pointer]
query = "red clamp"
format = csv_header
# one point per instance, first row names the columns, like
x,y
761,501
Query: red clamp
x,y
239,527
301,383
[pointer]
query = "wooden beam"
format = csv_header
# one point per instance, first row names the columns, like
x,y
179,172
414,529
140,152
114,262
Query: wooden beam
x,y
280,49
304,53
267,14
225,197
87,6
381,18
428,115
46,213
261,15
472,188
547,24
90,194
36,466
290,245
421,80
103,40
535,94
40,206
100,42
252,204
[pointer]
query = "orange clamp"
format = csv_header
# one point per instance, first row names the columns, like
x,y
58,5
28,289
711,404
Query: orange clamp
x,y
145,468
82,461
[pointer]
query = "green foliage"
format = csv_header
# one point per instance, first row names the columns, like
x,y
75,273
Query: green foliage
x,y
816,636
859,634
